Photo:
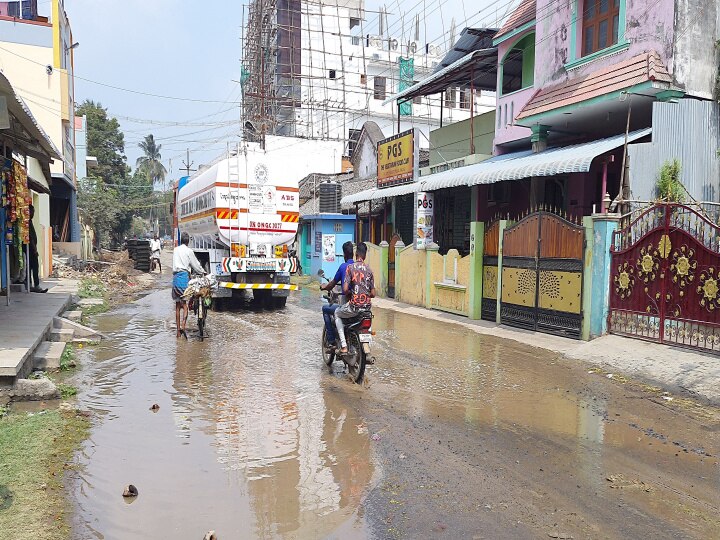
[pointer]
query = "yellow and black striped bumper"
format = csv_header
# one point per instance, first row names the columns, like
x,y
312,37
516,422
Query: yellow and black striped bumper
x,y
280,286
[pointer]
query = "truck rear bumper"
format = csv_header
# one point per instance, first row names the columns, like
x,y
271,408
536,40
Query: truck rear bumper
x,y
254,286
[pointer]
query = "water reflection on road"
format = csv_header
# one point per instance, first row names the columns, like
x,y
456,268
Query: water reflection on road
x,y
249,439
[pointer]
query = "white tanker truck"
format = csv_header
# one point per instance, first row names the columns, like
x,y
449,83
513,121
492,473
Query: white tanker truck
x,y
242,214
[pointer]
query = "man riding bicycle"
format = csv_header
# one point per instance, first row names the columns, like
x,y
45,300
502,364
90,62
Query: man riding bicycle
x,y
359,285
328,310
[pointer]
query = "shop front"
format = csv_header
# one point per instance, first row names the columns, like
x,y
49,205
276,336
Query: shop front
x,y
25,156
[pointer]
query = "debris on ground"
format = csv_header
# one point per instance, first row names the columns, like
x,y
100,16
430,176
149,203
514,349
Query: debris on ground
x,y
155,407
210,535
114,273
130,491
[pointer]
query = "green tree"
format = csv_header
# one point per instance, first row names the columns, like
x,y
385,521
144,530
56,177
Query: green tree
x,y
109,200
99,206
105,141
150,163
669,187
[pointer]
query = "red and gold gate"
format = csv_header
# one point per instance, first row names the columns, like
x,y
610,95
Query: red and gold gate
x,y
665,278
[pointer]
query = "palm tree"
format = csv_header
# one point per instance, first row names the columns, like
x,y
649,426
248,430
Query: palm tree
x,y
150,163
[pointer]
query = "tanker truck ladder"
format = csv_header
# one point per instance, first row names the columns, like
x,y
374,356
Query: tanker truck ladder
x,y
234,182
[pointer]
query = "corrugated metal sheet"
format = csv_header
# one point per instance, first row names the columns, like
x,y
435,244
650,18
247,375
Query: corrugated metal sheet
x,y
569,159
688,130
375,194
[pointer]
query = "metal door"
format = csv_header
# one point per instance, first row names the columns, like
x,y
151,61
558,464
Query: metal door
x,y
391,266
542,275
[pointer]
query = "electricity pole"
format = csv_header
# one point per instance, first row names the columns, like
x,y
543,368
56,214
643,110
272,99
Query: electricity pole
x,y
188,164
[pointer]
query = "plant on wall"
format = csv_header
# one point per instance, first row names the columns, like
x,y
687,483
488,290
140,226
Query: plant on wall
x,y
669,187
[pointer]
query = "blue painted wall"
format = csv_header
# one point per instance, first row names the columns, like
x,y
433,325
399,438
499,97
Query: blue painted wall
x,y
325,224
603,230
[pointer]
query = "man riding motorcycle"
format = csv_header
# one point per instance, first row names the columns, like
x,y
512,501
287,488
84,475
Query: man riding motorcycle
x,y
328,310
359,285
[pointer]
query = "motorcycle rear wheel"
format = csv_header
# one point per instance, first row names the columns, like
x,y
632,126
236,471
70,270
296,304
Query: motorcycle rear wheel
x,y
357,372
327,353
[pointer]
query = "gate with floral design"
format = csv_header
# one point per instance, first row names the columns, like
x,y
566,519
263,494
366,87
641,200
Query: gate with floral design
x,y
542,275
665,278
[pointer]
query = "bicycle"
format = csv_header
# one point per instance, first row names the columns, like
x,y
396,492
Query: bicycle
x,y
199,293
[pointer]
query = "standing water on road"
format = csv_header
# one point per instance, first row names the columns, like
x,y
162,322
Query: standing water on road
x,y
248,441
454,435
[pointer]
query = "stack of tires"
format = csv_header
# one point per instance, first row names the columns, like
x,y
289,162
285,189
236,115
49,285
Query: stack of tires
x,y
131,245
141,255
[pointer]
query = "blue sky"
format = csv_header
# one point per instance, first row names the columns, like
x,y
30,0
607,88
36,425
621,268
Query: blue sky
x,y
192,50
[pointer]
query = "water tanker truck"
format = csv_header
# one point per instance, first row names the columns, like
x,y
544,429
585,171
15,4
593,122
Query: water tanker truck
x,y
242,214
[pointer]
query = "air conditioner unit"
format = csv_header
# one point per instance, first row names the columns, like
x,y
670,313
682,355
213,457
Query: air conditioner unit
x,y
376,56
393,44
413,47
431,49
376,42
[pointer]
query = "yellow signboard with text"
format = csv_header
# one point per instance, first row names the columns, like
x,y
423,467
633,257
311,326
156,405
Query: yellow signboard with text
x,y
396,160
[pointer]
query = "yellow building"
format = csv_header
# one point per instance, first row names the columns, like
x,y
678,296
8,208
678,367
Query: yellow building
x,y
36,56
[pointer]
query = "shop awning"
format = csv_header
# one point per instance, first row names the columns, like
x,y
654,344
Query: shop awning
x,y
375,194
472,57
568,159
34,139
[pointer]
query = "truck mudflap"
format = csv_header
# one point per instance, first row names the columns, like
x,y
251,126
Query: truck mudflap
x,y
272,286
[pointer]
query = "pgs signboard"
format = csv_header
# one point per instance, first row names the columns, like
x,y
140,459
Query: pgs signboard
x,y
424,212
397,159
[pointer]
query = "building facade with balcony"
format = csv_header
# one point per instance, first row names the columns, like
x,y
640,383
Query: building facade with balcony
x,y
36,55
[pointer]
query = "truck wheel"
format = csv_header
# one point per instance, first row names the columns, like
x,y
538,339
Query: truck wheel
x,y
280,301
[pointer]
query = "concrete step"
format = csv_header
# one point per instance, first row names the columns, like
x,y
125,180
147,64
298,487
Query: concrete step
x,y
75,315
64,335
47,355
89,302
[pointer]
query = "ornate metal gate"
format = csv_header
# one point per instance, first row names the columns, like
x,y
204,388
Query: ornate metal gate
x,y
665,278
491,245
542,275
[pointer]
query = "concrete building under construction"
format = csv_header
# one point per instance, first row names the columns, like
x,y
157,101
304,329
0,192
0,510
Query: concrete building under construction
x,y
322,68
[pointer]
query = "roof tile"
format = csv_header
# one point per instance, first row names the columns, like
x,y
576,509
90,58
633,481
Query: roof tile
x,y
642,68
522,15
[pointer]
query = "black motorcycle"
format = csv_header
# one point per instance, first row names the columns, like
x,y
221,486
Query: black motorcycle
x,y
358,334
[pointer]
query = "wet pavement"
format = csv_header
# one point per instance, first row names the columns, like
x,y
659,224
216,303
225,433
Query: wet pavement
x,y
454,435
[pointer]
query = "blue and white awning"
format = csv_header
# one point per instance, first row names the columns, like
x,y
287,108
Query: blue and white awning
x,y
519,165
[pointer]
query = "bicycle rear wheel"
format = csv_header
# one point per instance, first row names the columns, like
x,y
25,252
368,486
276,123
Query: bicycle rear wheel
x,y
201,311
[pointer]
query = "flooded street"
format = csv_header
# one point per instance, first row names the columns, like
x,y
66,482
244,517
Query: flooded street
x,y
454,435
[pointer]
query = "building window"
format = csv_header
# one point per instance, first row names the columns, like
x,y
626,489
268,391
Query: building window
x,y
363,79
333,74
353,138
601,21
354,21
518,66
464,99
499,116
450,97
379,87
355,40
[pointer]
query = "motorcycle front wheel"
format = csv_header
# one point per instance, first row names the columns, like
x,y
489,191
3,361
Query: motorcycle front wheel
x,y
357,372
328,353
